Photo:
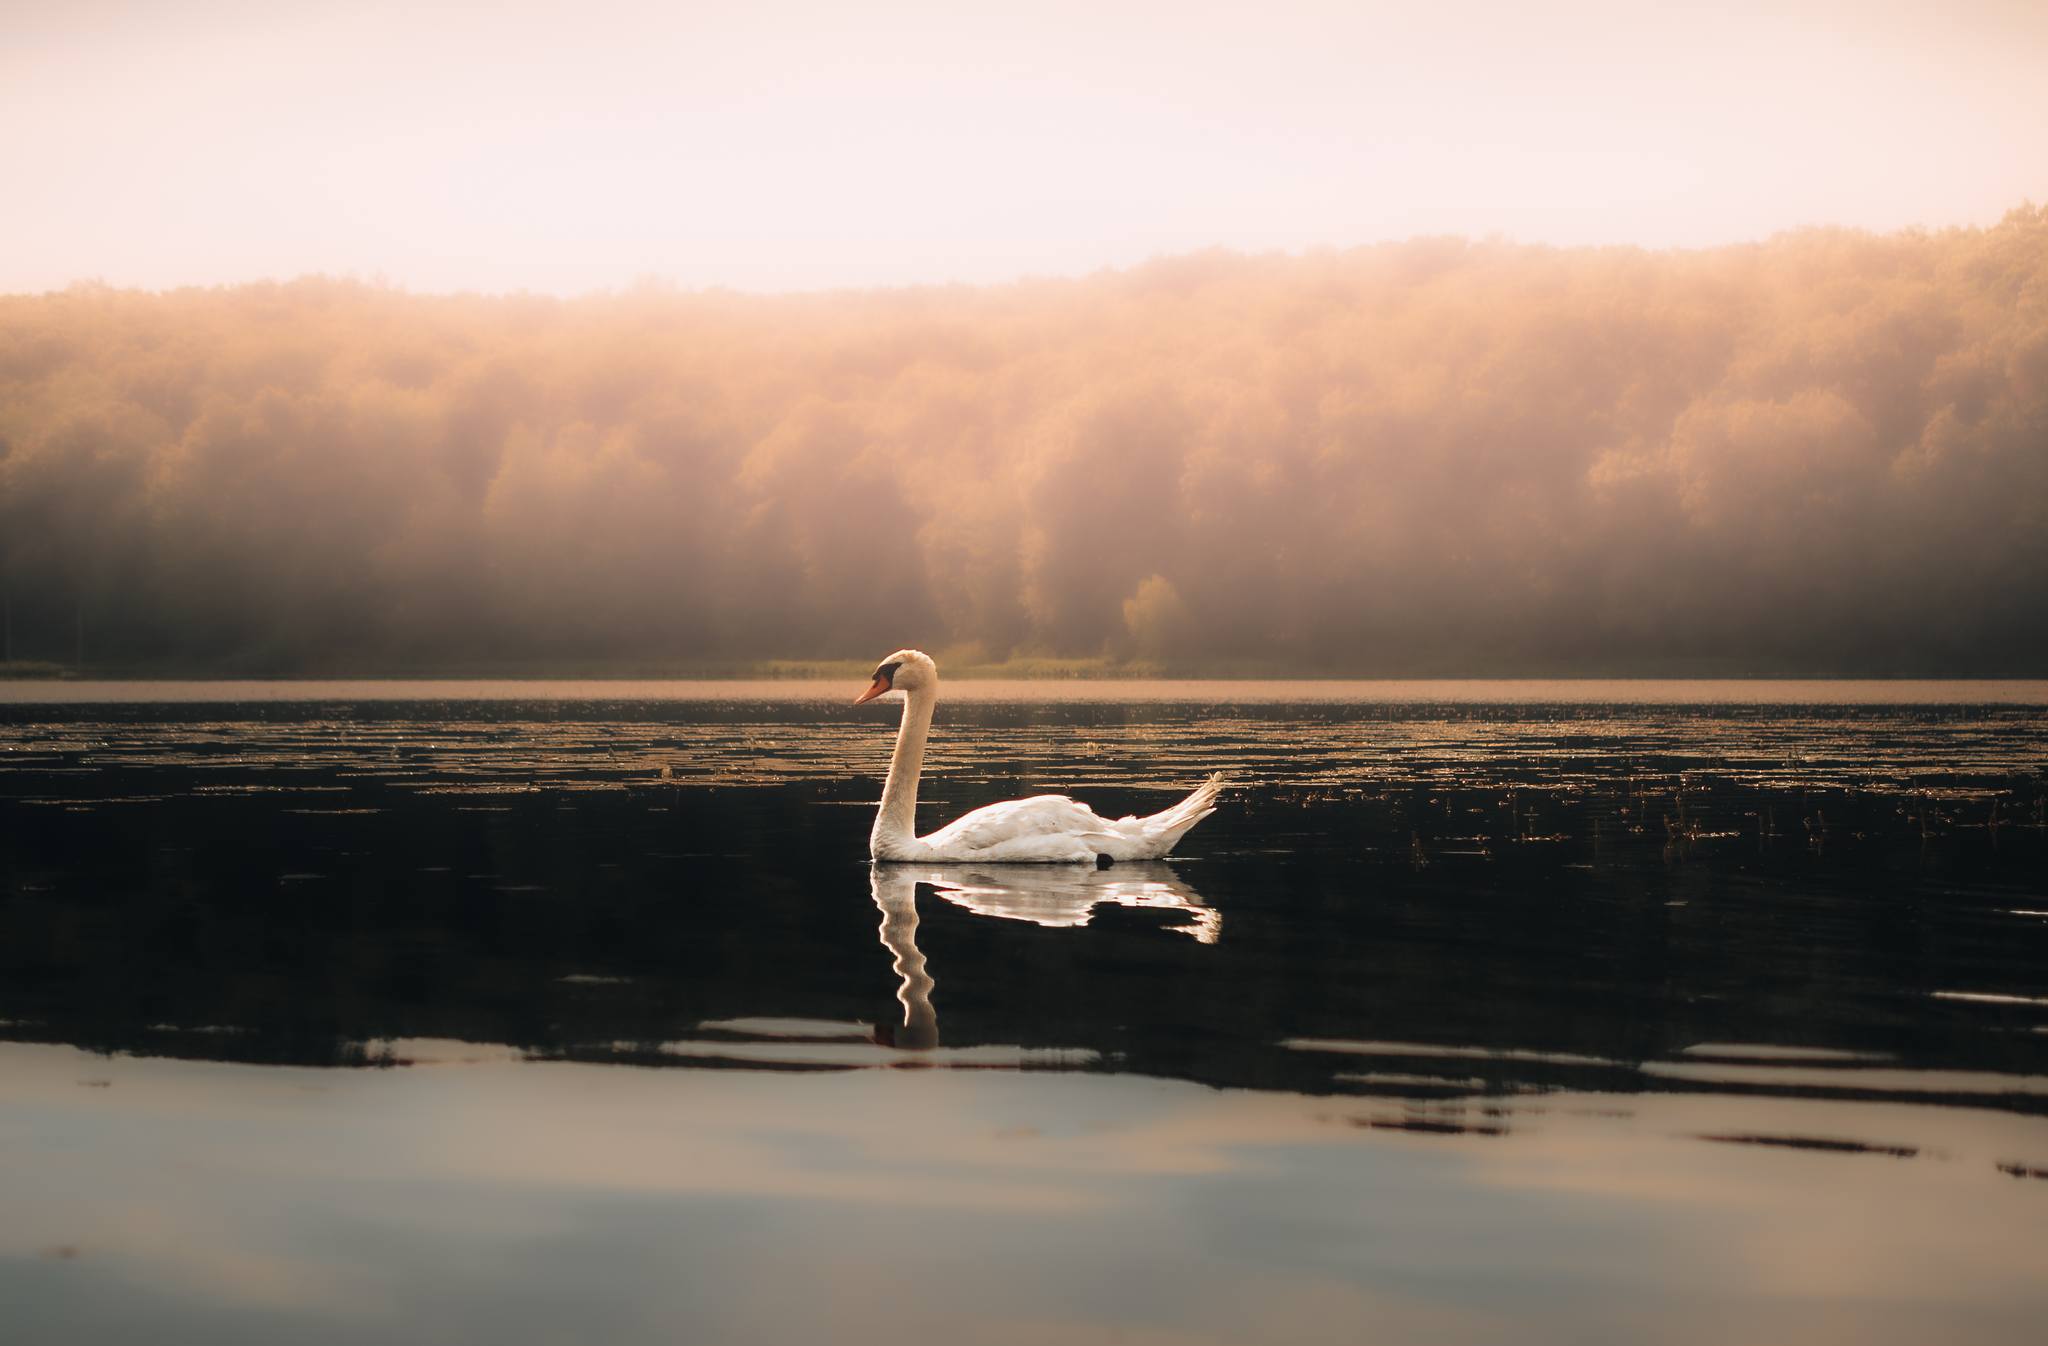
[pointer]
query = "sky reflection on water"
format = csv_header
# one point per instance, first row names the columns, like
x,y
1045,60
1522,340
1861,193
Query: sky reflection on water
x,y
193,1201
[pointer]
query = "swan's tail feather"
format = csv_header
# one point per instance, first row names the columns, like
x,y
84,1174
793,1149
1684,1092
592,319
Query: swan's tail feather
x,y
1167,827
1198,804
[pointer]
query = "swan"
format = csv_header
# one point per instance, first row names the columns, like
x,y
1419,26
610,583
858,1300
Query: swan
x,y
1047,829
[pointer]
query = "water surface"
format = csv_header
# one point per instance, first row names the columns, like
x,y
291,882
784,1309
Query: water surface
x,y
1581,1012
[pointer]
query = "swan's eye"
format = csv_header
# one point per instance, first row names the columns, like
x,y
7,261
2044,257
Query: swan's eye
x,y
886,674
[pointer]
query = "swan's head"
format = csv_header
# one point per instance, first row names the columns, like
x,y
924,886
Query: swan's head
x,y
903,671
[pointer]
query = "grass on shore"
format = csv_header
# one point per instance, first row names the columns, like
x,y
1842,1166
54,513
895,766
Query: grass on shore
x,y
34,668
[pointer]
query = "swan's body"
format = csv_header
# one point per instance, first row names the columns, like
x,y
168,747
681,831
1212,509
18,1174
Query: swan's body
x,y
1047,829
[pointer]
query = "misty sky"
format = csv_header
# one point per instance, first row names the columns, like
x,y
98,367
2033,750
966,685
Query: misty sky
x,y
565,147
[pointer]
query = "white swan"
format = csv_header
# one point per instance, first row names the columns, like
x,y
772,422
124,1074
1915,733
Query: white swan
x,y
1048,829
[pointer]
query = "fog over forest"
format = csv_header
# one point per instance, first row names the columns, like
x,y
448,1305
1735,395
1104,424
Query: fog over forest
x,y
1825,453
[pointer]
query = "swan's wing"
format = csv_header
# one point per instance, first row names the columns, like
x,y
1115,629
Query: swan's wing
x,y
1018,822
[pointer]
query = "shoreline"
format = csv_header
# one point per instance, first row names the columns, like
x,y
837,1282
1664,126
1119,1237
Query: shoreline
x,y
27,696
1048,671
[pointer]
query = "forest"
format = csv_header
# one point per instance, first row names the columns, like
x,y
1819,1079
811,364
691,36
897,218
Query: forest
x,y
1821,454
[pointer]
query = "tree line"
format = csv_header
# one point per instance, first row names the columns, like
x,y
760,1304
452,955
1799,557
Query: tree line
x,y
1823,453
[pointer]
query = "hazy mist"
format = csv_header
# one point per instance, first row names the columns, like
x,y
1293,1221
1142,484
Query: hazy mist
x,y
1826,453
790,145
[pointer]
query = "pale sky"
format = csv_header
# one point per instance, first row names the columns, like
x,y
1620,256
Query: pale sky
x,y
779,146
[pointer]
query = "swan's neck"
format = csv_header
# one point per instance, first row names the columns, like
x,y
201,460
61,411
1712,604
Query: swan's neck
x,y
896,824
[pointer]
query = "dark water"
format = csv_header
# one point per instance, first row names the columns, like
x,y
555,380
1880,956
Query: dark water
x,y
1578,1012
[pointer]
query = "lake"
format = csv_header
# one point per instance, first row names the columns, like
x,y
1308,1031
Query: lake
x,y
564,1012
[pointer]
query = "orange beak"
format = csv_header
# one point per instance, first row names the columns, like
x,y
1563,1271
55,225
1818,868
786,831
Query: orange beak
x,y
875,689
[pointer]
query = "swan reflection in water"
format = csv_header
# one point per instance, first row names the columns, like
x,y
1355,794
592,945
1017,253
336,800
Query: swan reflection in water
x,y
1057,897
